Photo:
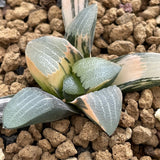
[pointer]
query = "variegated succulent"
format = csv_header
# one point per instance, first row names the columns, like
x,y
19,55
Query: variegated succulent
x,y
73,81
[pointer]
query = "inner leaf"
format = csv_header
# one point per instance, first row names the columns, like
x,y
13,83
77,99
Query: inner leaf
x,y
71,8
72,87
49,59
95,73
80,32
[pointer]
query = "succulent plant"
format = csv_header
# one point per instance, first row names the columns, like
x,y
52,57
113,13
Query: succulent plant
x,y
72,81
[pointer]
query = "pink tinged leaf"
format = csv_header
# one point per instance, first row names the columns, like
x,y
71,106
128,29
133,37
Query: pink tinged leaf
x,y
139,71
103,107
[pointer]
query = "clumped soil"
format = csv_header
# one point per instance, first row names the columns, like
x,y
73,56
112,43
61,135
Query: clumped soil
x,y
123,27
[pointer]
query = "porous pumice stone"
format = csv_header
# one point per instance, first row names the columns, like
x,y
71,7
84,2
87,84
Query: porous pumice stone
x,y
117,33
2,157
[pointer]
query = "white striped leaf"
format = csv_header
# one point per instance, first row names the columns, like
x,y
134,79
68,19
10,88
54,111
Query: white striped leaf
x,y
139,71
80,33
95,73
71,8
49,60
31,106
103,107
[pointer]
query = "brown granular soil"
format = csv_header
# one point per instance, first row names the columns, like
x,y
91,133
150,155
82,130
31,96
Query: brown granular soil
x,y
123,27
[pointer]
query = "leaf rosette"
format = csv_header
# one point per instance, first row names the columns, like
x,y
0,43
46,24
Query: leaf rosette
x,y
66,72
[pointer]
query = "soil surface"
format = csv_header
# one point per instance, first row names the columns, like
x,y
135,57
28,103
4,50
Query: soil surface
x,y
123,27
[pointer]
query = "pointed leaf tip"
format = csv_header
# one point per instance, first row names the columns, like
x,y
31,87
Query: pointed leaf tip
x,y
103,107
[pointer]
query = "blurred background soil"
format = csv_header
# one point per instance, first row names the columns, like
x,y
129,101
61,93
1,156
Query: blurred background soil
x,y
123,27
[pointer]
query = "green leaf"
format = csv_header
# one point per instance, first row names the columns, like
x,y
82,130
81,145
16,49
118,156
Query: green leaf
x,y
103,107
72,87
139,71
80,33
95,73
31,106
71,8
49,59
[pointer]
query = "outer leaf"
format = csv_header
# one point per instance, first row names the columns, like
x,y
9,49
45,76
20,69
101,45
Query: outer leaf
x,y
71,8
3,103
32,105
95,73
139,71
103,107
49,59
72,87
2,3
80,32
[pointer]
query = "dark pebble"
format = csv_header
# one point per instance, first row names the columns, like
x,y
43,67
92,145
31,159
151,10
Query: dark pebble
x,y
59,3
104,50
9,140
20,70
81,149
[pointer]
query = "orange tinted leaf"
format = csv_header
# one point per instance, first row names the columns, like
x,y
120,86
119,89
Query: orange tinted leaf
x,y
139,71
103,107
49,59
